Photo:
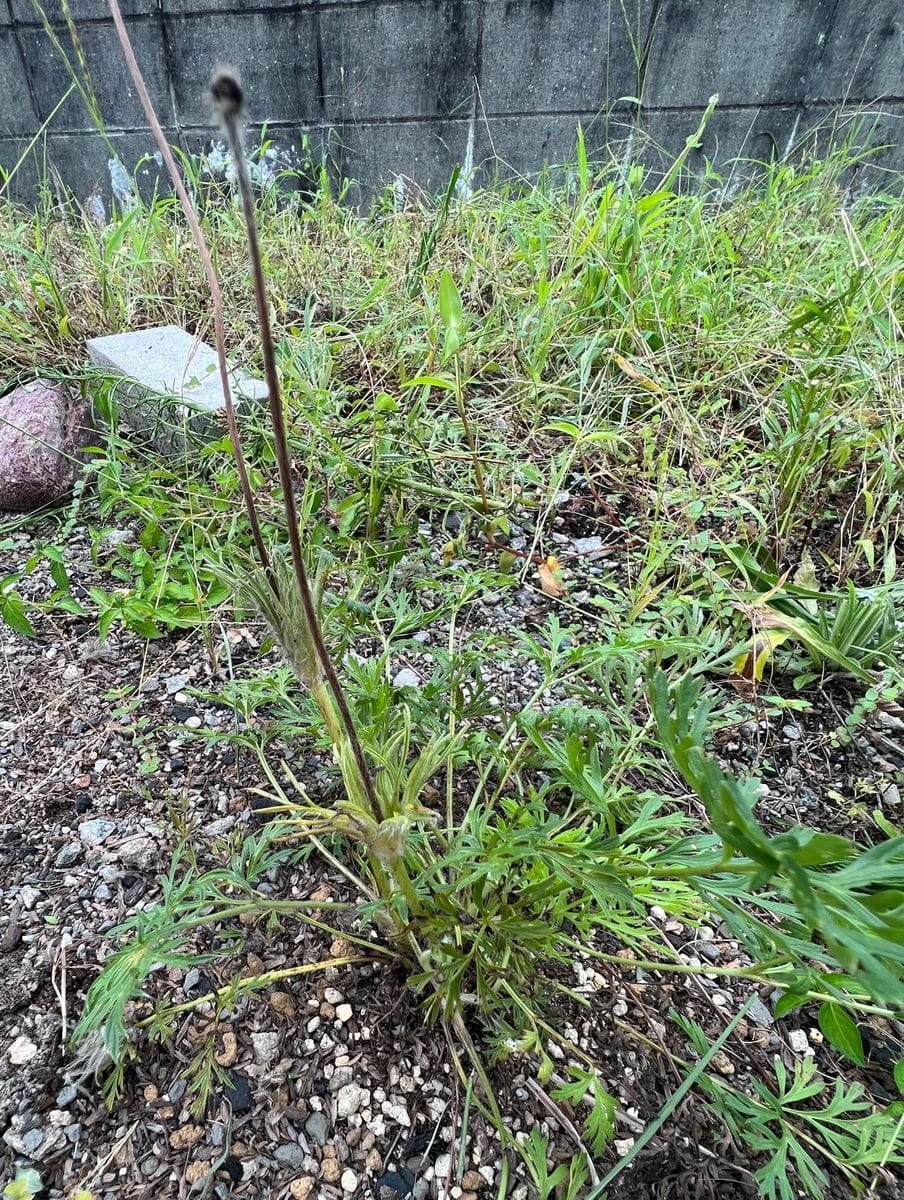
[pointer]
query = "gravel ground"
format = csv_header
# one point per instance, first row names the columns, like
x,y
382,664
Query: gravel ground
x,y
337,1089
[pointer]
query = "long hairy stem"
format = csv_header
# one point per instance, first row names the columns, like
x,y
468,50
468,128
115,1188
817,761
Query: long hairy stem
x,y
213,284
227,94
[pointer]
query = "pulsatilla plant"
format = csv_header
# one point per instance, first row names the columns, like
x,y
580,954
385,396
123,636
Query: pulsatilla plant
x,y
520,870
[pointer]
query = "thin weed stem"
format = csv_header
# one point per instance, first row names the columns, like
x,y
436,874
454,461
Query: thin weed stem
x,y
228,94
216,295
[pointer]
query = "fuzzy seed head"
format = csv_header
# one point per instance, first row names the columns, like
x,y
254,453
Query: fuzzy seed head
x,y
227,94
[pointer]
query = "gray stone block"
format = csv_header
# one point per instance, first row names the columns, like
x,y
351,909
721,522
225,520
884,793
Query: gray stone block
x,y
862,58
734,139
192,7
24,185
422,154
881,134
172,377
571,56
511,147
275,54
119,104
748,54
25,12
399,60
83,163
16,113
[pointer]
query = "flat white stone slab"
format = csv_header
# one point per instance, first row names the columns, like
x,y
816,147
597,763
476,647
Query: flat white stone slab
x,y
167,362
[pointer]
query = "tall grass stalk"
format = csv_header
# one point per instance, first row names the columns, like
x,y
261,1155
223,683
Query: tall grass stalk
x,y
216,295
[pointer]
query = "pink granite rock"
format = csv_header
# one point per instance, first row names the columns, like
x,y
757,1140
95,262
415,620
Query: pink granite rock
x,y
43,430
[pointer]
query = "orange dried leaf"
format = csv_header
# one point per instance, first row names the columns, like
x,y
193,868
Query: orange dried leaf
x,y
550,580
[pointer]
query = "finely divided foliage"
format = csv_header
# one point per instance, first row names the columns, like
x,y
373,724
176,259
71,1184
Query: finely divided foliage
x,y
716,389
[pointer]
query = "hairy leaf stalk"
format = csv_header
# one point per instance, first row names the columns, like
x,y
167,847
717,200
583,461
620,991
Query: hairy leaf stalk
x,y
228,96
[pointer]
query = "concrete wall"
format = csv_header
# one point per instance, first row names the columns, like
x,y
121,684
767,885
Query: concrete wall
x,y
389,88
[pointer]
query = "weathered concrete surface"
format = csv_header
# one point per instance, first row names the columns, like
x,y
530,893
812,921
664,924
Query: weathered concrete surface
x,y
384,88
165,364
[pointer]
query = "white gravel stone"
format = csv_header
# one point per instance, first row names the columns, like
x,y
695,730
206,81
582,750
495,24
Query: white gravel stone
x,y
890,794
138,852
406,678
349,1181
22,1051
797,1039
333,995
343,1013
350,1099
265,1047
396,1112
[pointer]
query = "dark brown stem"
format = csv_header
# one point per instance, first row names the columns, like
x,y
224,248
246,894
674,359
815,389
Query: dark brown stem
x,y
278,420
212,283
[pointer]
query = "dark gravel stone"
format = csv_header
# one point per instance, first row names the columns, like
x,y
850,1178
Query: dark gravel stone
x,y
416,1144
394,1185
197,983
237,1092
233,1167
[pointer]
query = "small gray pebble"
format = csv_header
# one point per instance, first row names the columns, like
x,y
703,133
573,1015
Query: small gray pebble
x,y
69,855
340,1077
32,1140
318,1127
889,795
175,683
95,831
760,1014
290,1154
